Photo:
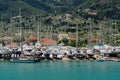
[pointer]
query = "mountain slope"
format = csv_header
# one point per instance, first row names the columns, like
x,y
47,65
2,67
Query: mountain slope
x,y
33,7
51,5
103,9
13,6
97,9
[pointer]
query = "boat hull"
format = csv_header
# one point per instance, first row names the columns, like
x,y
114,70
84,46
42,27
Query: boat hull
x,y
25,61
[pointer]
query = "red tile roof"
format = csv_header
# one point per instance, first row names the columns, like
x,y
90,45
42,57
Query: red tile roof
x,y
12,45
49,40
32,38
72,38
94,39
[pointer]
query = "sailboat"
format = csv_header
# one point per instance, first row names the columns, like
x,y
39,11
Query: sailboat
x,y
27,56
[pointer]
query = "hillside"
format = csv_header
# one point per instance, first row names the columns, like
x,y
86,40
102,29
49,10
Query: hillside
x,y
100,9
34,7
97,9
12,7
61,16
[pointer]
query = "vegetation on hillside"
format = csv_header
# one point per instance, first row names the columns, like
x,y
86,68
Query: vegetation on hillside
x,y
99,9
94,18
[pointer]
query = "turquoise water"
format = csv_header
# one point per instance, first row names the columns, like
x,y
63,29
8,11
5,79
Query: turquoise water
x,y
60,70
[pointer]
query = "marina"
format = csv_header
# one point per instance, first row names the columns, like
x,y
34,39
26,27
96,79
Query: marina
x,y
59,39
30,47
36,54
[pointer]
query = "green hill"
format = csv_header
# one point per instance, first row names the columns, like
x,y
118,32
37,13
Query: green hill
x,y
13,6
33,7
97,9
109,9
61,16
102,8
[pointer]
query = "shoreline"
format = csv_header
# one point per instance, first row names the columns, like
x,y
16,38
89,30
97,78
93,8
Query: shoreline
x,y
68,59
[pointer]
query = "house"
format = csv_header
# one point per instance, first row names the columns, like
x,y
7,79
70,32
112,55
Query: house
x,y
72,39
31,38
48,42
94,39
63,36
11,45
7,39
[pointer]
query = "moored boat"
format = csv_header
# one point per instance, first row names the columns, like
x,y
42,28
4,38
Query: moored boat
x,y
25,59
100,60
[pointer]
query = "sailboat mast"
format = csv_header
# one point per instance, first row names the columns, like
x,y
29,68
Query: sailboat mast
x,y
100,35
51,31
11,28
21,32
115,33
89,34
77,36
38,31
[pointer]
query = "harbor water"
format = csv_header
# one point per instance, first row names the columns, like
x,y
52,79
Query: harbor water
x,y
59,70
